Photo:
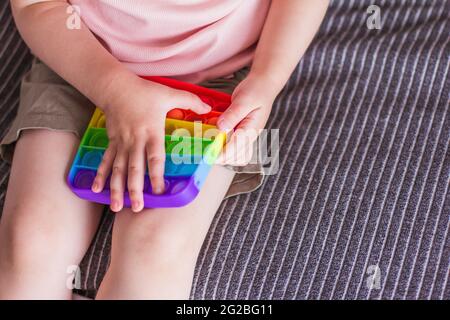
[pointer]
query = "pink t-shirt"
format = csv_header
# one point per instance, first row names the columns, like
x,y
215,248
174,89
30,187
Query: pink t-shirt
x,y
191,40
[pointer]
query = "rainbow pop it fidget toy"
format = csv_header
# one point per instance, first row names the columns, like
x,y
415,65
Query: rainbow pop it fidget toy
x,y
192,144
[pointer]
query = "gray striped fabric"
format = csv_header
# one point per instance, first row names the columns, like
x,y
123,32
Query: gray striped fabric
x,y
365,168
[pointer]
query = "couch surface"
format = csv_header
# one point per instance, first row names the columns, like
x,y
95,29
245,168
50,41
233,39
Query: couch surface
x,y
363,185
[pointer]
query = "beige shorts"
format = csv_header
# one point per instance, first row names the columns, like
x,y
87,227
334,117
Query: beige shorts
x,y
48,102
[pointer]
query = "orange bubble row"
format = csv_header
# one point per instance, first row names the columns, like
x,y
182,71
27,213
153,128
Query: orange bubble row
x,y
179,114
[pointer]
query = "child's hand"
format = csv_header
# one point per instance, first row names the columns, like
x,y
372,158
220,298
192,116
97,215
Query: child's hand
x,y
135,121
250,108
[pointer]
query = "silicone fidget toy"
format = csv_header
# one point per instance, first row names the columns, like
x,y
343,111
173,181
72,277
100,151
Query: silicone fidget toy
x,y
192,143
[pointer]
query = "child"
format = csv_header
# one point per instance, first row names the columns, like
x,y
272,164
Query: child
x,y
44,227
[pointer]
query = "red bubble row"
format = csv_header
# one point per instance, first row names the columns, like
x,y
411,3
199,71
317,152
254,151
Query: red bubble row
x,y
216,105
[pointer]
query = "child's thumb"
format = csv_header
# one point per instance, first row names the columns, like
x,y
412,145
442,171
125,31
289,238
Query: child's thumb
x,y
232,116
190,101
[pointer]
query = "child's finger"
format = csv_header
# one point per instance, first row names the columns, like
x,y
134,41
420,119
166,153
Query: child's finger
x,y
238,150
104,169
232,116
226,154
230,152
190,101
156,158
118,180
136,174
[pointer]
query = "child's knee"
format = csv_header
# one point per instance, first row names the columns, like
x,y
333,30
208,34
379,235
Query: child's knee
x,y
160,240
27,244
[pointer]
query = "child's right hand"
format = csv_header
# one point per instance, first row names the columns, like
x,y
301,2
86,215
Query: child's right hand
x,y
135,122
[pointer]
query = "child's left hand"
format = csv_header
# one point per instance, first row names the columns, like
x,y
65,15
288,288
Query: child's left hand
x,y
250,108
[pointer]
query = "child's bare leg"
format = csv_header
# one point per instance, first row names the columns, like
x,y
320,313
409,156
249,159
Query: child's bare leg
x,y
154,252
44,228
